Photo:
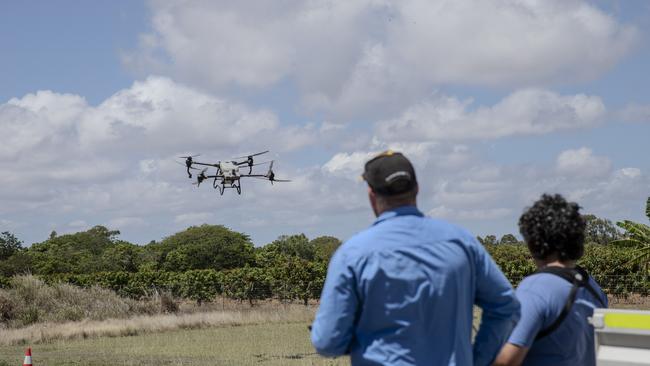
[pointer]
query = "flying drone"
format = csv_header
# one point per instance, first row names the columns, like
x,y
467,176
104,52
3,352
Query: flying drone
x,y
228,174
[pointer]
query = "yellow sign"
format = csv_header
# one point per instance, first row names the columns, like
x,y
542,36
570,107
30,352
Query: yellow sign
x,y
627,320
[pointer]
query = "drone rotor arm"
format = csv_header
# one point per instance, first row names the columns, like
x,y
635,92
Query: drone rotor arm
x,y
246,157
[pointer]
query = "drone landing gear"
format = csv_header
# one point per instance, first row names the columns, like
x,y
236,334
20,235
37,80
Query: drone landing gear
x,y
221,188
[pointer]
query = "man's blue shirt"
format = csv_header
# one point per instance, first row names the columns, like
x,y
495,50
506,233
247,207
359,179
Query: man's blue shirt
x,y
402,291
542,297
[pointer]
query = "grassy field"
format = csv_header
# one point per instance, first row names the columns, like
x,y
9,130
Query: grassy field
x,y
257,344
262,336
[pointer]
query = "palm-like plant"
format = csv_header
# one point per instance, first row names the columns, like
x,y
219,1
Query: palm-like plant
x,y
637,235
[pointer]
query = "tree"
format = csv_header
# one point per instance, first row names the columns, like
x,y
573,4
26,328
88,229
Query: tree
x,y
203,247
600,231
72,253
488,240
9,245
122,256
325,246
637,235
293,246
508,239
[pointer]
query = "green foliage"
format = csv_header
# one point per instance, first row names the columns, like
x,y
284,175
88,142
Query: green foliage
x,y
203,247
248,283
325,246
611,267
514,260
637,235
608,264
293,278
19,263
291,245
122,256
201,285
73,253
9,245
600,231
488,240
509,239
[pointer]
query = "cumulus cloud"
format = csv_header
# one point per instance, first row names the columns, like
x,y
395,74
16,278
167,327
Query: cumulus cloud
x,y
348,56
116,160
582,163
524,112
459,184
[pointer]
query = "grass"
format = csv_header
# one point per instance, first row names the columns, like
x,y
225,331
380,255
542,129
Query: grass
x,y
29,300
223,332
254,344
262,336
48,332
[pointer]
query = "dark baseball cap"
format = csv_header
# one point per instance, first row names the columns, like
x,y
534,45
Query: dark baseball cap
x,y
390,173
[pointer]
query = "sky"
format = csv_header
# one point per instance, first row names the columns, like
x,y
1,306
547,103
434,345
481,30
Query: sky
x,y
494,101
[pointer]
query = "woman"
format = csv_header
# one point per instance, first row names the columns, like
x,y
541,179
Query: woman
x,y
557,299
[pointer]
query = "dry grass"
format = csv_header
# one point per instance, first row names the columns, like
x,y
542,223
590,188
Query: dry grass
x,y
30,300
144,324
280,344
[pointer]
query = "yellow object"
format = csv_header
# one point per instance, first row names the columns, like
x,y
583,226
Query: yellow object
x,y
627,320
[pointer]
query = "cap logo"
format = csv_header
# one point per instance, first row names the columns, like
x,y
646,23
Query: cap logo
x,y
397,175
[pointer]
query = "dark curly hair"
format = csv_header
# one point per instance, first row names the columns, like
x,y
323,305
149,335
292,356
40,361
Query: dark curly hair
x,y
553,226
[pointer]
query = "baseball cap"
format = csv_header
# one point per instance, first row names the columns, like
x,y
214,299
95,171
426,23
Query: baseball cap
x,y
390,173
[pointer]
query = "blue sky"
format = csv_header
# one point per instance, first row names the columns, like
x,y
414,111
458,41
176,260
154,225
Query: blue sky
x,y
495,102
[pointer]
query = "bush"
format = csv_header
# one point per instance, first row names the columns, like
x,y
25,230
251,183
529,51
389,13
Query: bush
x,y
30,300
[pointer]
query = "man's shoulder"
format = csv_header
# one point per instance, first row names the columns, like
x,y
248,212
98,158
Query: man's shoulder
x,y
550,289
432,228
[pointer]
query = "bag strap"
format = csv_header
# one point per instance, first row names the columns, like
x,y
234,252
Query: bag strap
x,y
578,277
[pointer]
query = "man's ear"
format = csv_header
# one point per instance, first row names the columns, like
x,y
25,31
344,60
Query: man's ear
x,y
372,197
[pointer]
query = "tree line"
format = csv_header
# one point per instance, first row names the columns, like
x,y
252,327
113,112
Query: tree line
x,y
208,260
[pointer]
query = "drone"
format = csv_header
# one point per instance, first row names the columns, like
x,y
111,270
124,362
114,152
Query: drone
x,y
228,174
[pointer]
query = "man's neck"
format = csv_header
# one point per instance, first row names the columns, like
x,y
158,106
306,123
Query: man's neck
x,y
554,262
381,209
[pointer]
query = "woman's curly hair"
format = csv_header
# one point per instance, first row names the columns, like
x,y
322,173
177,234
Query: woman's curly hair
x,y
553,226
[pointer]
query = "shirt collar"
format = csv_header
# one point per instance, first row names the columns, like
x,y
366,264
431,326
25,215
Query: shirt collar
x,y
398,211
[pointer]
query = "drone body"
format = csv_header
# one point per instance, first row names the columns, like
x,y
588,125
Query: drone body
x,y
228,174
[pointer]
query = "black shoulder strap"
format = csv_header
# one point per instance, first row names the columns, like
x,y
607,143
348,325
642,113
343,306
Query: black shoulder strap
x,y
578,277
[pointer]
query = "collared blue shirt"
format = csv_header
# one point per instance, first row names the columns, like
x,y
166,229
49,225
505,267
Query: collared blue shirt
x,y
542,297
401,293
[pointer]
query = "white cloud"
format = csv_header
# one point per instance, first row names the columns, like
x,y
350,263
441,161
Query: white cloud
x,y
376,54
347,165
121,223
635,113
524,112
78,224
582,163
470,214
195,218
113,163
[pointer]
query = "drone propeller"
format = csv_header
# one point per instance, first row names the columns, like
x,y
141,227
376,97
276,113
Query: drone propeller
x,y
251,155
262,163
188,163
270,173
201,177
274,180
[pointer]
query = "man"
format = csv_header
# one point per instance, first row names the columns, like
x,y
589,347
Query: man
x,y
557,300
401,292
